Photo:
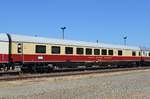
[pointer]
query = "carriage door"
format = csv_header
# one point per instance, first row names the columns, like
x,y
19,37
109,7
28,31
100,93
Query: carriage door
x,y
20,52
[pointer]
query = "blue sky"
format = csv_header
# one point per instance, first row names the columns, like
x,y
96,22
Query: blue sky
x,y
87,20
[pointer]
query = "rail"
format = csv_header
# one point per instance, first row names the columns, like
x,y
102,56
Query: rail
x,y
68,73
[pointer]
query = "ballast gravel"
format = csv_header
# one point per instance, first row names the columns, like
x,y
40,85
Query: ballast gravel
x,y
120,85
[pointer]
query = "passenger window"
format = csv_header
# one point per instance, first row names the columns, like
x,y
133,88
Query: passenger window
x,y
96,51
110,52
80,50
88,51
133,53
149,53
55,49
120,53
40,49
104,52
19,48
139,53
68,50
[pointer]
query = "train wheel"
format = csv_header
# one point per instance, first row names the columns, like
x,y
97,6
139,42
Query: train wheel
x,y
8,68
13,67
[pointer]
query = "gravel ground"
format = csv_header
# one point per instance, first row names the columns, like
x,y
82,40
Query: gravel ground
x,y
121,85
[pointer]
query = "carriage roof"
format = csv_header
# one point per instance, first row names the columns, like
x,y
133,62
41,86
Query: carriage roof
x,y
32,39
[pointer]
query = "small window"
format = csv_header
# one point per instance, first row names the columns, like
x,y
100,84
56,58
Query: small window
x,y
19,48
149,53
120,53
133,53
55,49
40,49
68,50
104,52
80,50
139,53
110,52
88,51
96,51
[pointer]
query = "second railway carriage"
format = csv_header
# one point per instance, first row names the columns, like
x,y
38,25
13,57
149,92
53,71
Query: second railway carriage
x,y
37,53
4,50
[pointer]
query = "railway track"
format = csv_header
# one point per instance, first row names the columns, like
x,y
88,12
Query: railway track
x,y
58,73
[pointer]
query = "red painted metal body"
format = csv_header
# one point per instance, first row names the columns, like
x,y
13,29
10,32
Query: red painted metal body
x,y
4,58
72,58
66,58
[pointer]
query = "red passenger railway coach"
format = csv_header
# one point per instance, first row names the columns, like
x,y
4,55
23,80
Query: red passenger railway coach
x,y
39,53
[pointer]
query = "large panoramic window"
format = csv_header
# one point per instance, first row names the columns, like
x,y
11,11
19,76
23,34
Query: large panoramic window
x,y
104,52
68,50
40,49
96,51
80,51
120,52
88,51
55,50
110,52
